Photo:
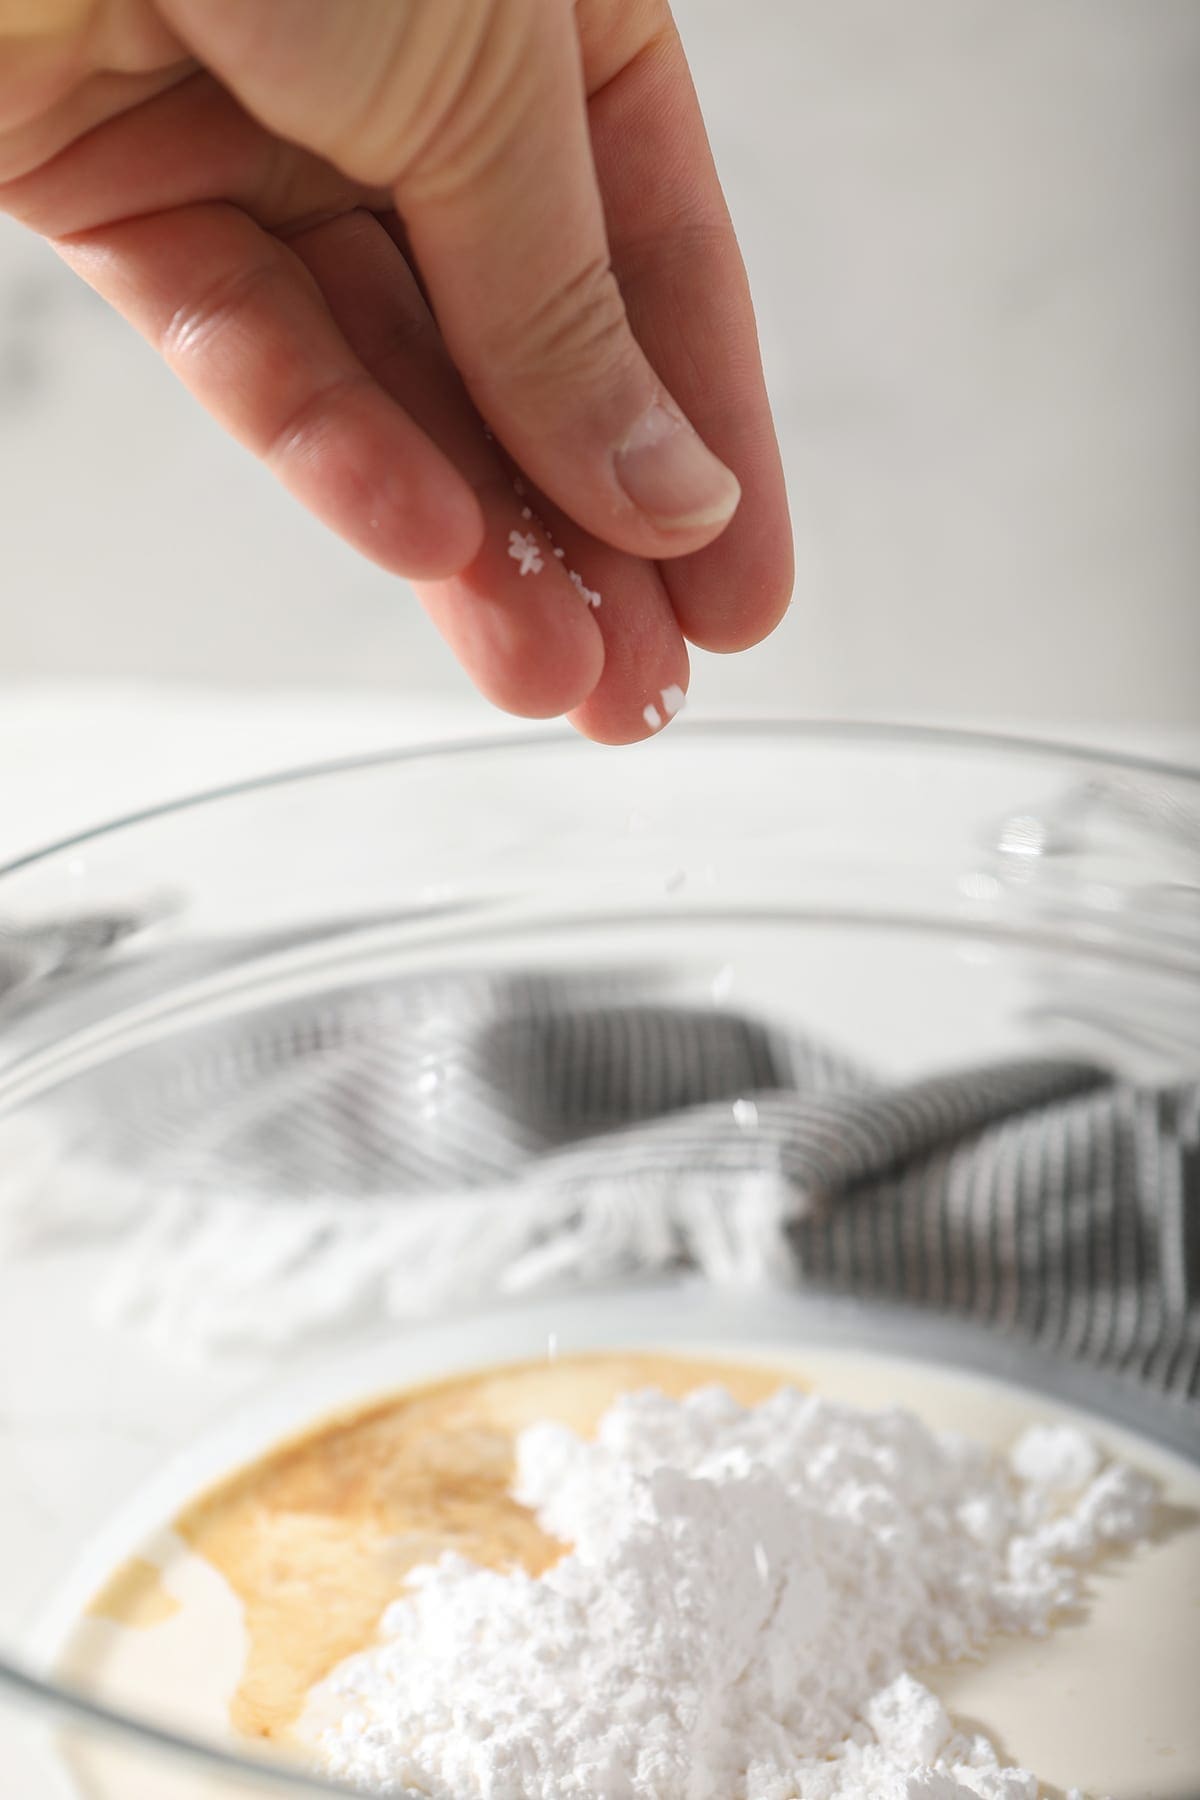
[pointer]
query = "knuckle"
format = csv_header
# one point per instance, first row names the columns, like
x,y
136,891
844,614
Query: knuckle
x,y
614,36
404,333
217,309
429,89
477,106
579,323
646,254
229,306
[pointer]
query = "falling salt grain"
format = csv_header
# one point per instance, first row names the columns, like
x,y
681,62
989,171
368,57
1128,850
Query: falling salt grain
x,y
745,1114
762,1564
577,582
552,1346
673,698
524,549
652,717
527,512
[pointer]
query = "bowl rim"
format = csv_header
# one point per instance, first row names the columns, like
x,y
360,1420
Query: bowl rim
x,y
55,1701
865,733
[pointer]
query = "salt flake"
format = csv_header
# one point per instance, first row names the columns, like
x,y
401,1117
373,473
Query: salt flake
x,y
525,550
577,582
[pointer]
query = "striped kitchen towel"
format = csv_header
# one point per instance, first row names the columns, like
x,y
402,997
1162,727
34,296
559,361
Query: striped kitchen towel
x,y
437,1139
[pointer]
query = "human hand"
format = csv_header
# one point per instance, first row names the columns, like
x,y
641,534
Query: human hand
x,y
359,229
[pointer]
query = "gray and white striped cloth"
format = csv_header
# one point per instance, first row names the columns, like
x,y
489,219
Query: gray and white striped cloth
x,y
477,1133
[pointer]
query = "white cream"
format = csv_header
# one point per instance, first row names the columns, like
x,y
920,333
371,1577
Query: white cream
x,y
1106,1703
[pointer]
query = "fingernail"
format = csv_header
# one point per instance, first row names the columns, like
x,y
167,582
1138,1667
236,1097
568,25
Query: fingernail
x,y
672,476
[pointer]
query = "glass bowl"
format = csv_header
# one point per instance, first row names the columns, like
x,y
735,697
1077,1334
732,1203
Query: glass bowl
x,y
175,989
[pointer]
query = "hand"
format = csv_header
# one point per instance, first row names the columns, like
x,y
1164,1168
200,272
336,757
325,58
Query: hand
x,y
360,229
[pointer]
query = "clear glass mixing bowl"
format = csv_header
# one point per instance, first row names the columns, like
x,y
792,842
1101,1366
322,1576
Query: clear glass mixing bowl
x,y
917,900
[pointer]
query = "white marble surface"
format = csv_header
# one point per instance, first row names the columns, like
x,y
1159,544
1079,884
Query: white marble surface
x,y
973,231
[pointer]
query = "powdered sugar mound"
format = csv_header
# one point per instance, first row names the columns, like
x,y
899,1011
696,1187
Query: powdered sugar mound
x,y
1055,1458
746,1594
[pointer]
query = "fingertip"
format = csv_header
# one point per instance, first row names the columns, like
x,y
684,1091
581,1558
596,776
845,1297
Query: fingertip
x,y
437,545
724,623
732,594
626,726
550,689
625,709
536,665
644,679
362,466
431,536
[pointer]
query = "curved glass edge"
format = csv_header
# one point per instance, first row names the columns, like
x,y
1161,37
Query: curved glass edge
x,y
76,1710
796,730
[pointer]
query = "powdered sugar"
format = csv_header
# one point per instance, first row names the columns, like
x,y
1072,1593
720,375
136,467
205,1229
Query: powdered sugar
x,y
745,1598
1056,1458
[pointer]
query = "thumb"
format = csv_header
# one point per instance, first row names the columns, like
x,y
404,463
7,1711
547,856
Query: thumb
x,y
474,113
